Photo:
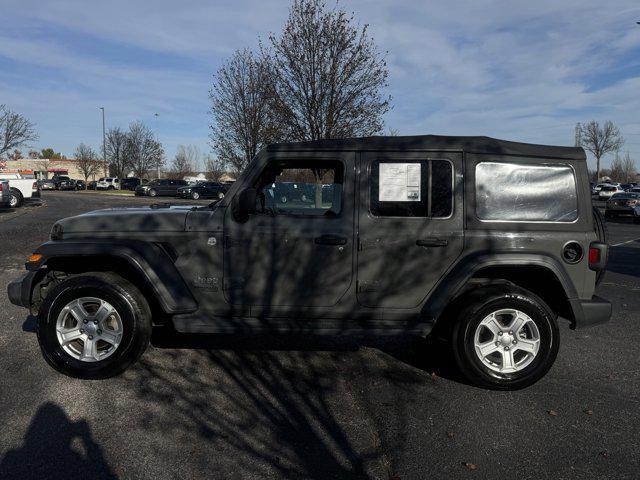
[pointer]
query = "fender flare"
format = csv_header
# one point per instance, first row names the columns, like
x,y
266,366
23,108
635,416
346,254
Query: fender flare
x,y
453,284
150,260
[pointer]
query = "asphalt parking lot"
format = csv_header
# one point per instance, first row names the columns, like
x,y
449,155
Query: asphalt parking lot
x,y
306,408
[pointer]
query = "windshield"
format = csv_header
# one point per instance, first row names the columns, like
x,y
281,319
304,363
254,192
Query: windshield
x,y
609,189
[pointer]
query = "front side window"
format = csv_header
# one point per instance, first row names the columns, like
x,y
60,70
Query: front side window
x,y
419,188
301,188
520,192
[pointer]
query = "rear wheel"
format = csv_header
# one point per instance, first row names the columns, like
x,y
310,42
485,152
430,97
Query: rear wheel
x,y
195,195
506,338
93,326
152,193
220,195
16,198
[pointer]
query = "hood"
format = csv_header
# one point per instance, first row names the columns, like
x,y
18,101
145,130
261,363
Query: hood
x,y
146,219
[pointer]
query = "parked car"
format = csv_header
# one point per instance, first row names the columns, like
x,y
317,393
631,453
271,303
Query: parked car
x,y
621,204
23,190
57,179
607,191
427,234
203,190
68,184
129,183
108,183
160,187
47,185
5,194
626,186
81,185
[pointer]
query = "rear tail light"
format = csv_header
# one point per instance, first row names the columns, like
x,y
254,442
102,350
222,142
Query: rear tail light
x,y
0,187
598,256
34,186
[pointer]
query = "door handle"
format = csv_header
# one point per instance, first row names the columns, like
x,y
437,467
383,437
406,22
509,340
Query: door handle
x,y
330,240
432,242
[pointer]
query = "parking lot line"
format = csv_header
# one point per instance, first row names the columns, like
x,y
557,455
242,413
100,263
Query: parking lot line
x,y
624,243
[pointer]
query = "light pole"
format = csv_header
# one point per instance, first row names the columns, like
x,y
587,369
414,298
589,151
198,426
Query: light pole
x,y
156,115
104,145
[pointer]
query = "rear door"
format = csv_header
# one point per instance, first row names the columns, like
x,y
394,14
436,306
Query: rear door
x,y
410,225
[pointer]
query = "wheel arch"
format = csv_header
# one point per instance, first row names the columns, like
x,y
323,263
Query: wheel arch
x,y
539,273
148,266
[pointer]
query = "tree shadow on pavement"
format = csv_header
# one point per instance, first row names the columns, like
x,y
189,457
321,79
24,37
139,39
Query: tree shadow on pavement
x,y
313,407
55,447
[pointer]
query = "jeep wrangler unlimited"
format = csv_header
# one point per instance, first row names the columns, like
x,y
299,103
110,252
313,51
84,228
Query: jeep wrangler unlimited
x,y
480,241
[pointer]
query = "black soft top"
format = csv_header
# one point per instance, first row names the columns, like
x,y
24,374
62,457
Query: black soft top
x,y
435,142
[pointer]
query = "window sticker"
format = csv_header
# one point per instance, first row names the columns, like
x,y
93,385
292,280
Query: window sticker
x,y
399,182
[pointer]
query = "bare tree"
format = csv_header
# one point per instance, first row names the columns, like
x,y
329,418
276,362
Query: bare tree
x,y
600,140
16,155
328,75
87,160
628,168
15,130
243,120
143,151
186,161
214,167
115,147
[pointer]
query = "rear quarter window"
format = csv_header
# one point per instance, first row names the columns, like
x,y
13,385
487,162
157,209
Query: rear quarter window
x,y
525,192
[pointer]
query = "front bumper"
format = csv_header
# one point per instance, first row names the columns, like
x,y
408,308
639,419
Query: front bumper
x,y
590,312
19,291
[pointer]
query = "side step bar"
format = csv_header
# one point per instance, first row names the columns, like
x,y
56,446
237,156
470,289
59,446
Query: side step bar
x,y
200,324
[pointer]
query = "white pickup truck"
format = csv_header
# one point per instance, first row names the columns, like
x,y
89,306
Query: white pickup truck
x,y
23,190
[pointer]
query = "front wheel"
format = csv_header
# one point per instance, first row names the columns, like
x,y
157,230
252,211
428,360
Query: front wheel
x,y
506,338
220,195
195,195
93,326
152,193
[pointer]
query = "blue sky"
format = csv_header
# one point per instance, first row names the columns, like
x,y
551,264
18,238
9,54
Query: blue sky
x,y
518,70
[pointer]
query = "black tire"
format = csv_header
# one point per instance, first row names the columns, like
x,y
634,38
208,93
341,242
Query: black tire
x,y
484,301
130,304
111,187
600,227
152,193
16,198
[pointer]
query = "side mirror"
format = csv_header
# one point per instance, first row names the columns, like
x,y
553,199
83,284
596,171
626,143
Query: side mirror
x,y
244,204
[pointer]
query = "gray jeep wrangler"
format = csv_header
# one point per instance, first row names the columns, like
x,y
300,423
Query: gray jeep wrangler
x,y
480,241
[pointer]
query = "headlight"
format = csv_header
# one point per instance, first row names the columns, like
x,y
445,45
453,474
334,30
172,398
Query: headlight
x,y
56,232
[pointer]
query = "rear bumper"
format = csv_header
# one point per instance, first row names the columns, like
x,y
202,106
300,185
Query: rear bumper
x,y
590,312
19,291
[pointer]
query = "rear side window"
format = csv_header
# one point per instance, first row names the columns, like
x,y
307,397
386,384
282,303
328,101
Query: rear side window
x,y
529,193
422,188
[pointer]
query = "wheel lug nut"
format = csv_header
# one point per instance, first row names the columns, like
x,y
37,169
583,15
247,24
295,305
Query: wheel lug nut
x,y
515,342
91,338
510,332
82,330
506,348
85,321
500,333
497,344
100,333
95,322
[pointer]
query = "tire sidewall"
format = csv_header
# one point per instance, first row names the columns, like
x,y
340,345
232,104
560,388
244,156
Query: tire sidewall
x,y
135,336
464,336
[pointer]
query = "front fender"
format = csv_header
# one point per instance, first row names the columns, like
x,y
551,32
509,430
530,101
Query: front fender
x,y
148,259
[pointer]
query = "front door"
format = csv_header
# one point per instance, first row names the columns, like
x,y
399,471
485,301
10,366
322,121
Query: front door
x,y
410,225
297,251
